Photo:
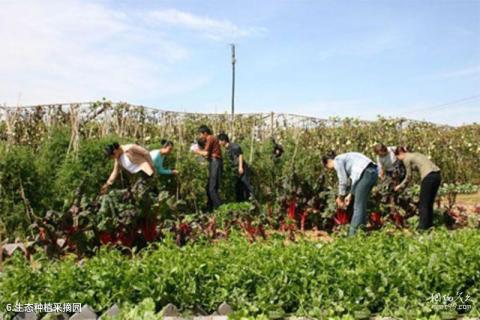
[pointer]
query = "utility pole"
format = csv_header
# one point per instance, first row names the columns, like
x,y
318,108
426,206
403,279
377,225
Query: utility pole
x,y
234,60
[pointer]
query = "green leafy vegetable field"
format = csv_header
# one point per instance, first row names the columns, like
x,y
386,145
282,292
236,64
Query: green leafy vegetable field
x,y
390,273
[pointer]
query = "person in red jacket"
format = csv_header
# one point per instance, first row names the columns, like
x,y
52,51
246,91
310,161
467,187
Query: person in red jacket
x,y
213,153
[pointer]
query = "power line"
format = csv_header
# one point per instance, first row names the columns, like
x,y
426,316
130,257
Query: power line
x,y
444,105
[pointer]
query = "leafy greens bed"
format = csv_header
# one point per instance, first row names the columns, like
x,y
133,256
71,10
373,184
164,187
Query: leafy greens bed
x,y
387,273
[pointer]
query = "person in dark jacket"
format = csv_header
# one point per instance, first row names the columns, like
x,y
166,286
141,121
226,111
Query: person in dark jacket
x,y
277,151
431,180
243,188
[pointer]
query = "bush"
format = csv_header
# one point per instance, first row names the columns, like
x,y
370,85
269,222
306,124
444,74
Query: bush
x,y
88,166
18,173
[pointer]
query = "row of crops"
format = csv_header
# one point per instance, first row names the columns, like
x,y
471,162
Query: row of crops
x,y
43,163
389,273
283,254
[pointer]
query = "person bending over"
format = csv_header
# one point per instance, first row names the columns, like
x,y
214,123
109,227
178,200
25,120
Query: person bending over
x,y
363,175
385,159
131,157
158,158
431,179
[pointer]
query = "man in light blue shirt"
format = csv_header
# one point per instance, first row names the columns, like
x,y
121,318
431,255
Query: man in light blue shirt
x,y
362,174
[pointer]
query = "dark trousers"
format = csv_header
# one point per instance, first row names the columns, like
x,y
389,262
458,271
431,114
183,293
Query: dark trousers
x,y
428,191
141,191
215,168
243,188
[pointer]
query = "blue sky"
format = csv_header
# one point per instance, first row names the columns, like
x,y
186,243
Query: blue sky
x,y
319,58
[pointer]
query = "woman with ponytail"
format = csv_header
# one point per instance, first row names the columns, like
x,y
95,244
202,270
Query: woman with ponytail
x,y
431,180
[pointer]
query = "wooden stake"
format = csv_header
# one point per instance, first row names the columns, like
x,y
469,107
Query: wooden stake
x,y
250,160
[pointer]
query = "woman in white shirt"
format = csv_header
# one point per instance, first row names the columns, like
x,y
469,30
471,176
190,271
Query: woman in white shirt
x,y
385,159
130,157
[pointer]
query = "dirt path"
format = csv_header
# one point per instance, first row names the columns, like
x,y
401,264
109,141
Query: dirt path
x,y
469,199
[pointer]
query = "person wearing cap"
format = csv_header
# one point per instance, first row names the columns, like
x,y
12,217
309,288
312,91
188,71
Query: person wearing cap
x,y
243,188
213,153
431,180
131,157
362,172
